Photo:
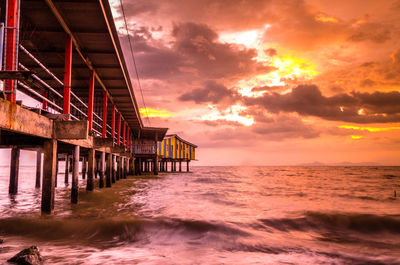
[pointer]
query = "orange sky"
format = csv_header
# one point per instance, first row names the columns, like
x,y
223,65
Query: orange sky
x,y
269,82
272,82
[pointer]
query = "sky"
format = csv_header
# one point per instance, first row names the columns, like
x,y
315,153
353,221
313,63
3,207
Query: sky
x,y
270,82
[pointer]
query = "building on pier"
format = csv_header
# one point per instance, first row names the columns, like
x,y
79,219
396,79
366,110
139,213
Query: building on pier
x,y
174,149
66,55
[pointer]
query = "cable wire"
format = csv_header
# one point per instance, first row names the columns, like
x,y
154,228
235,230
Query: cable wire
x,y
134,61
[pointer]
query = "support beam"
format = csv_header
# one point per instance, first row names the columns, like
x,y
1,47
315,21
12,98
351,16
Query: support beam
x,y
49,175
102,169
44,102
118,168
67,76
104,125
180,166
187,166
75,175
84,167
140,166
109,169
14,171
11,46
123,133
38,168
91,100
113,171
66,168
91,161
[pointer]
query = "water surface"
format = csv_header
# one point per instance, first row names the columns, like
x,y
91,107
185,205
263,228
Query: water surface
x,y
214,215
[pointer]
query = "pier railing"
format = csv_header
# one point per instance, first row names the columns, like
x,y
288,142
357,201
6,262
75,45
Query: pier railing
x,y
144,149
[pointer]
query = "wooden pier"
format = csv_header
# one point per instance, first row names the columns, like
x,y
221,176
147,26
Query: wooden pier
x,y
66,55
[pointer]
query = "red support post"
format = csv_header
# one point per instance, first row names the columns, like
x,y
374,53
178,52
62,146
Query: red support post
x,y
127,139
44,102
91,100
113,122
119,129
11,46
67,76
123,134
104,131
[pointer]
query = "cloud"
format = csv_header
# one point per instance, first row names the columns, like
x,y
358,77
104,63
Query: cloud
x,y
377,107
212,92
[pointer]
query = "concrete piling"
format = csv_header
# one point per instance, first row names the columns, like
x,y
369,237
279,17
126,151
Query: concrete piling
x,y
75,175
109,170
38,168
91,165
14,171
84,166
66,168
113,169
101,169
49,175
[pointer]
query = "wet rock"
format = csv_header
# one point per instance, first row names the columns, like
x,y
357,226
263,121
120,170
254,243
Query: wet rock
x,y
28,256
1,241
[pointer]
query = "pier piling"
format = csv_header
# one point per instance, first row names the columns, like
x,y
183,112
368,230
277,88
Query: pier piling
x,y
38,168
14,170
101,169
90,175
49,172
113,170
66,168
109,170
75,175
84,167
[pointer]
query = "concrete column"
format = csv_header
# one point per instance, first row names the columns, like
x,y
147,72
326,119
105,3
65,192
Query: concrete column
x,y
155,165
180,166
109,168
55,181
14,171
187,166
38,168
49,175
84,167
140,166
66,168
114,172
122,167
96,167
101,169
75,175
91,165
118,168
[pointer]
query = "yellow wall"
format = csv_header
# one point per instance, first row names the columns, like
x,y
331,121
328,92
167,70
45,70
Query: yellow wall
x,y
177,149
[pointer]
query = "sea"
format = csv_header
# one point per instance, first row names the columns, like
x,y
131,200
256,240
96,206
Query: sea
x,y
212,215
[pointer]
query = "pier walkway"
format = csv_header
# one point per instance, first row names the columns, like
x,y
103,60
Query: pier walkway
x,y
66,55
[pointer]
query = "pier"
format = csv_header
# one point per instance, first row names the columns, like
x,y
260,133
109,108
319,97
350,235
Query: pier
x,y
67,56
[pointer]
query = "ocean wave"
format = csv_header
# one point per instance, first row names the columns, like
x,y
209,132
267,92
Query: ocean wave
x,y
110,230
363,223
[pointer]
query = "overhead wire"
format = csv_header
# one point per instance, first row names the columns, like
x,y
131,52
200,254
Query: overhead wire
x,y
134,60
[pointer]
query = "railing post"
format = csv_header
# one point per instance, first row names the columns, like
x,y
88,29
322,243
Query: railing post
x,y
91,100
67,76
119,129
127,139
104,115
11,47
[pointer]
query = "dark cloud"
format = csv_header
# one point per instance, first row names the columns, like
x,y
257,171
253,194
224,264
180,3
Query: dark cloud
x,y
199,44
374,32
378,107
367,83
211,92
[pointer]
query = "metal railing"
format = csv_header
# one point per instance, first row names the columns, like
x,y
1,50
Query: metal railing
x,y
144,149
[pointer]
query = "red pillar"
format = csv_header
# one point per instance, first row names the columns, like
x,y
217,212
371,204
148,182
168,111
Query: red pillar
x,y
113,122
11,47
119,128
67,76
91,100
127,139
123,133
44,102
104,115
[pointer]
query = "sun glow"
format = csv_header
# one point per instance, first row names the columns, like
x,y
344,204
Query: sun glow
x,y
324,18
356,137
155,113
369,129
233,113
